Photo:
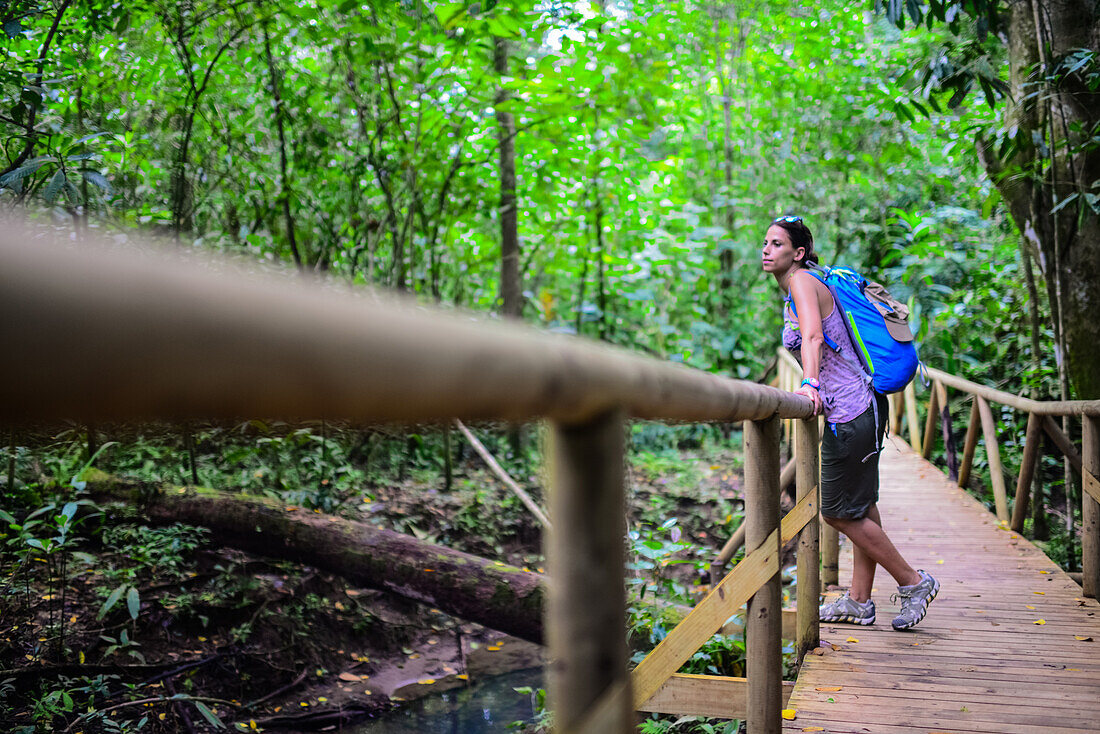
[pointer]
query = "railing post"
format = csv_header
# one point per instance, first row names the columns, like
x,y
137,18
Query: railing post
x,y
911,417
809,578
993,455
930,421
763,619
1033,440
1090,508
585,611
970,443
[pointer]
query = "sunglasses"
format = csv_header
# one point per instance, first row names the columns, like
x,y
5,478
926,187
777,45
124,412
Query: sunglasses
x,y
787,220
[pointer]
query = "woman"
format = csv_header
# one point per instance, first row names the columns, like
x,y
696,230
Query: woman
x,y
854,428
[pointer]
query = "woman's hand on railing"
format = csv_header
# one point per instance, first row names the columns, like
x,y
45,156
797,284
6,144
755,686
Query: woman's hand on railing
x,y
810,392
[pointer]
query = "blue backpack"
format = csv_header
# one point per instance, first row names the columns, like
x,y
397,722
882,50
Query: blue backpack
x,y
878,326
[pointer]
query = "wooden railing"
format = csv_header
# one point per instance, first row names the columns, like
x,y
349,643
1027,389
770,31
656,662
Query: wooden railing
x,y
1040,419
98,333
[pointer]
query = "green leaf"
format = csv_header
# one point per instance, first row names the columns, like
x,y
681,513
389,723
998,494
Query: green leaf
x,y
97,179
53,188
111,601
208,715
23,171
133,602
8,518
450,14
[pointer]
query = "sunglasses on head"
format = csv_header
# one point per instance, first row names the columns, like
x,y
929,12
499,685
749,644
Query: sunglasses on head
x,y
787,220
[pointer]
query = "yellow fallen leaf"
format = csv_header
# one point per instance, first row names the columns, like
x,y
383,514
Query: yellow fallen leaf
x,y
1040,593
493,648
291,509
1039,621
426,681
851,639
414,656
788,714
366,691
1082,638
941,561
1029,606
463,676
813,728
322,699
828,688
1046,572
1074,670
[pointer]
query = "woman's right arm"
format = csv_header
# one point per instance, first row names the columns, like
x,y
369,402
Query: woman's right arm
x,y
804,295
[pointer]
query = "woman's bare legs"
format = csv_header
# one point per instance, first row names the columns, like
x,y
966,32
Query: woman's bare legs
x,y
871,548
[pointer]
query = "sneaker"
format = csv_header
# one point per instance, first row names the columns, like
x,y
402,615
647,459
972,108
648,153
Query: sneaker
x,y
846,609
915,600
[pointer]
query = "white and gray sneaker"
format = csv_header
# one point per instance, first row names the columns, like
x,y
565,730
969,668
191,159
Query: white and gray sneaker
x,y
915,600
847,610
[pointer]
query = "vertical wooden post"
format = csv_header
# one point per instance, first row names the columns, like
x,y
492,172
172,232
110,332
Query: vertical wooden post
x,y
970,443
585,611
911,417
1032,442
930,421
993,454
897,403
809,577
1090,508
763,618
949,448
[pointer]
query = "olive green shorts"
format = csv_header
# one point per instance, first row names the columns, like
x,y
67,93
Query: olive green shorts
x,y
849,463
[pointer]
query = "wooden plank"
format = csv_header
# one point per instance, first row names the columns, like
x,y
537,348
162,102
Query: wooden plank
x,y
1043,407
993,454
703,621
718,697
1092,485
799,516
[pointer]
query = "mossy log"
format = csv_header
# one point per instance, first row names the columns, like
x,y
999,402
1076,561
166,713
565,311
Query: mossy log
x,y
476,589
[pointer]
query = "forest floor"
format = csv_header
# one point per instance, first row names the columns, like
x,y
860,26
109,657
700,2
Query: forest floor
x,y
189,632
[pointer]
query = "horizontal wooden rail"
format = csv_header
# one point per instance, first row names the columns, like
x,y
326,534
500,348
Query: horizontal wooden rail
x,y
714,696
1041,407
102,332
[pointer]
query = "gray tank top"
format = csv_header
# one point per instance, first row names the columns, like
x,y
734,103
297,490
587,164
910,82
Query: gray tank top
x,y
845,393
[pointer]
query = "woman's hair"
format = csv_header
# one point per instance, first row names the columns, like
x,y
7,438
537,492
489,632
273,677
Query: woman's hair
x,y
800,237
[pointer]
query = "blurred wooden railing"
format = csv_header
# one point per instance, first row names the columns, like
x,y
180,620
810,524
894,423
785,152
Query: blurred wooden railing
x,y
102,333
1040,420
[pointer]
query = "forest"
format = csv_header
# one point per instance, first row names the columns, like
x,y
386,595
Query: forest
x,y
600,169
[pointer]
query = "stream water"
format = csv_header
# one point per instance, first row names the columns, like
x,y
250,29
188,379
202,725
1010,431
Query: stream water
x,y
488,707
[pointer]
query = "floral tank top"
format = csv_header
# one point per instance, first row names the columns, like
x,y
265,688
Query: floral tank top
x,y
844,393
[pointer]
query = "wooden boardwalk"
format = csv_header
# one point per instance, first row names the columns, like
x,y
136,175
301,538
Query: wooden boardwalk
x,y
999,650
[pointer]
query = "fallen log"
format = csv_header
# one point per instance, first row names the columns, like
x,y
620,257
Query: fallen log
x,y
490,593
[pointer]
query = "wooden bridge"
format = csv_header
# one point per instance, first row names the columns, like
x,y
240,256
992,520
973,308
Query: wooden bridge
x,y
1009,645
98,333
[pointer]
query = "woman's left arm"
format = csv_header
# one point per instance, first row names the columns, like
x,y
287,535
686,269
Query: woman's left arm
x,y
804,295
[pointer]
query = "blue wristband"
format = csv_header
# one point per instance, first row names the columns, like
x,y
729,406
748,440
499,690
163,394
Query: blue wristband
x,y
812,383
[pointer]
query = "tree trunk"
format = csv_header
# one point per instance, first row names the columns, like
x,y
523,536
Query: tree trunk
x,y
511,290
1058,174
489,593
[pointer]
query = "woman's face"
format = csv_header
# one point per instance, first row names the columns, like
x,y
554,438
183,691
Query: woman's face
x,y
779,253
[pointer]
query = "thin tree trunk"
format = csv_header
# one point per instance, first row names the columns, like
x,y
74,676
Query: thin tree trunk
x,y
284,182
511,289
